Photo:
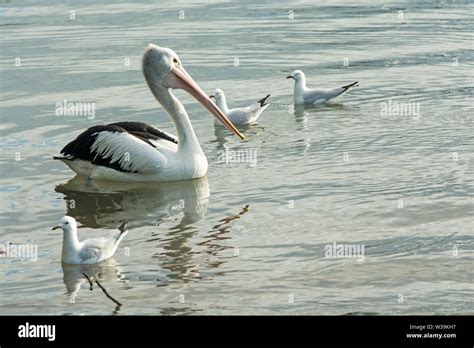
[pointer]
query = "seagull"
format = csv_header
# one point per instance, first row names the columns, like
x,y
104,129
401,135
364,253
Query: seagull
x,y
304,95
139,152
89,251
245,115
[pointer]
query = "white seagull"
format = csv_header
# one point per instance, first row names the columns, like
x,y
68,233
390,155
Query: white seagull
x,y
89,251
135,151
305,95
245,115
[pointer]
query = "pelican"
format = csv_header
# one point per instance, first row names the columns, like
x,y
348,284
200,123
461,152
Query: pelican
x,y
136,151
305,95
89,251
244,115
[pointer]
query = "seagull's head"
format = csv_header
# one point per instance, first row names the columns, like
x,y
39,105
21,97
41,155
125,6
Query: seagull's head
x,y
296,75
163,70
67,223
218,95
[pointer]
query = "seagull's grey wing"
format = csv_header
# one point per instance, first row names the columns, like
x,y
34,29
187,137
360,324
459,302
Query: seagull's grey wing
x,y
253,108
256,110
89,254
93,249
312,96
114,239
240,115
247,114
113,236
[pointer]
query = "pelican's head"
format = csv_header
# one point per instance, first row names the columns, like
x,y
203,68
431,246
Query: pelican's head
x,y
163,70
218,95
296,75
157,63
67,224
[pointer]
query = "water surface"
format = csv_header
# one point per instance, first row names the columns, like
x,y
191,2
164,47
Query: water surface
x,y
248,239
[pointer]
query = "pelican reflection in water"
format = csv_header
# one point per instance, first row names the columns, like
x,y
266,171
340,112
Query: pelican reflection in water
x,y
103,204
97,204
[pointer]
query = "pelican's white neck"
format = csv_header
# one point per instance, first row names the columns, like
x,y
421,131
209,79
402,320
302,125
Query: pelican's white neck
x,y
187,140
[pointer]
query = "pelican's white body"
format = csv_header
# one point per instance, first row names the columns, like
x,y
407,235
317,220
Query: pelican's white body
x,y
166,162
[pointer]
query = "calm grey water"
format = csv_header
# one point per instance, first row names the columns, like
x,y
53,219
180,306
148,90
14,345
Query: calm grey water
x,y
250,238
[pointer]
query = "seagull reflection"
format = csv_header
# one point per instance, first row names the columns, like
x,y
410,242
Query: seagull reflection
x,y
103,204
302,111
301,116
223,136
106,271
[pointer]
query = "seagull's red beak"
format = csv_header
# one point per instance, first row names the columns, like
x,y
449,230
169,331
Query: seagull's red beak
x,y
179,78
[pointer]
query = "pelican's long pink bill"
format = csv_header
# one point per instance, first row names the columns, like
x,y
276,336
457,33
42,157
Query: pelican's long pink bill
x,y
179,78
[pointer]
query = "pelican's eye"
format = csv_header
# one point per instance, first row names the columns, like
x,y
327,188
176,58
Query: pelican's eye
x,y
175,60
67,223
